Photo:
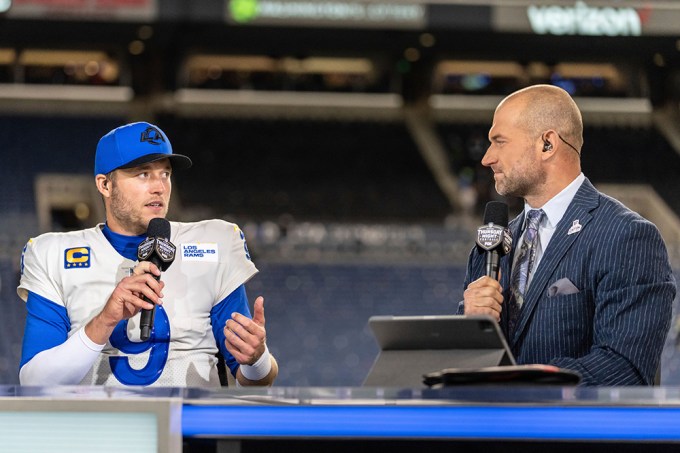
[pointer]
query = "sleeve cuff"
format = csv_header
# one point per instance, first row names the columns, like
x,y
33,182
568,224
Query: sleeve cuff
x,y
260,369
91,345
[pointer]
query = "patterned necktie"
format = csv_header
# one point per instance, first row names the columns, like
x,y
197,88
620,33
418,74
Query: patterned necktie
x,y
524,265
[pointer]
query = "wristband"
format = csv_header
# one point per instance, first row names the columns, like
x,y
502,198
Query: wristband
x,y
260,369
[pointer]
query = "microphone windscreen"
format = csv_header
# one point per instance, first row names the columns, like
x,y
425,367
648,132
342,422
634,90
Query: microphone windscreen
x,y
496,212
160,228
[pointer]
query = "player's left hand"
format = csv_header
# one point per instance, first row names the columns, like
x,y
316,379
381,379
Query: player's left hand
x,y
245,337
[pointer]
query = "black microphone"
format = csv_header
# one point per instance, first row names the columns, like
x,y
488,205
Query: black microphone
x,y
158,249
494,238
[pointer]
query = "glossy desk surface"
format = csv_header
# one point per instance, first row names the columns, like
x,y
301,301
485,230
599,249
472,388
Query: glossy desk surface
x,y
636,414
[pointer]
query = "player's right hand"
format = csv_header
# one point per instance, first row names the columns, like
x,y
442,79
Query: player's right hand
x,y
484,297
126,299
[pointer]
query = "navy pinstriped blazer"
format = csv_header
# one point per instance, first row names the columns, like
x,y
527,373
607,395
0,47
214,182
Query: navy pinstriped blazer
x,y
612,330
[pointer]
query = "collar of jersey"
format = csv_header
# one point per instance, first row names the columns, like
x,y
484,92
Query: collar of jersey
x,y
125,245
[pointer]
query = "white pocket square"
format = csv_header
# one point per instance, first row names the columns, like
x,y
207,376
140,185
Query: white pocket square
x,y
562,287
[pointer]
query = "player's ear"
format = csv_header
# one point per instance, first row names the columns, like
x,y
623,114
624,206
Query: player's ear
x,y
103,185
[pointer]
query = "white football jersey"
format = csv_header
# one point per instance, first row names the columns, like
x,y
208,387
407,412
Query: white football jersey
x,y
80,269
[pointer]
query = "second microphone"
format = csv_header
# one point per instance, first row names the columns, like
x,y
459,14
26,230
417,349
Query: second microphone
x,y
494,238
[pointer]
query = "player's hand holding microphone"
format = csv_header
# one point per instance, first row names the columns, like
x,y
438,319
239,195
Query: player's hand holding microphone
x,y
142,290
484,295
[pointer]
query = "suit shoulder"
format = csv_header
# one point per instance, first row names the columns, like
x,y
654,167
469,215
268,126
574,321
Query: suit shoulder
x,y
617,218
615,210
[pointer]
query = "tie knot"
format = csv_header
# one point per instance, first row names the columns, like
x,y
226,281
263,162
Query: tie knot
x,y
534,217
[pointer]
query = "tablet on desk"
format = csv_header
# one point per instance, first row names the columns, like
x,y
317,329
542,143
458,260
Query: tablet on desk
x,y
412,346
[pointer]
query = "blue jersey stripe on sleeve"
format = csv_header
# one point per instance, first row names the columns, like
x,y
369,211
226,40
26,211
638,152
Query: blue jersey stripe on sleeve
x,y
237,301
47,326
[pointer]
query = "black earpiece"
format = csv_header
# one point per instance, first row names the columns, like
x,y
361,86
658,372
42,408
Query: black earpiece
x,y
547,146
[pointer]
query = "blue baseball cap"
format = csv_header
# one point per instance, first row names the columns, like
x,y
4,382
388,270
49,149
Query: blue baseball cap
x,y
135,144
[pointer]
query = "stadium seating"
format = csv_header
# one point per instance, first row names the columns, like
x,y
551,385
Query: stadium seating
x,y
340,171
319,313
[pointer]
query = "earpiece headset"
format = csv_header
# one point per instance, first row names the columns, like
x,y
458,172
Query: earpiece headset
x,y
547,146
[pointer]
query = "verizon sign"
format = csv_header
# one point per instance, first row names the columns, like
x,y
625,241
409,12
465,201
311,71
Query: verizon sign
x,y
582,19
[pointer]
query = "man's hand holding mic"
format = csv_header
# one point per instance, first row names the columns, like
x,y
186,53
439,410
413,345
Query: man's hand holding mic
x,y
126,300
142,290
484,296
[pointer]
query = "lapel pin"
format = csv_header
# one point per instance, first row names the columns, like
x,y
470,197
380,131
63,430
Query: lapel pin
x,y
574,228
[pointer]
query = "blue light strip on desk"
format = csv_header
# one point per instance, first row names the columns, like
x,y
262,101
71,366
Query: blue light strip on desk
x,y
448,422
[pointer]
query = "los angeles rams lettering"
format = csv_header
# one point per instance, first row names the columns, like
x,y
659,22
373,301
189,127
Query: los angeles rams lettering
x,y
206,251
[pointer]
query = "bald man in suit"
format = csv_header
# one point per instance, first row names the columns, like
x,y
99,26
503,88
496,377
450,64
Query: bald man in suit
x,y
599,290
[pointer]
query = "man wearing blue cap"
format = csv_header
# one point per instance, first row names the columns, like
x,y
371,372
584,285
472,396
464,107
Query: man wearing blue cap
x,y
84,289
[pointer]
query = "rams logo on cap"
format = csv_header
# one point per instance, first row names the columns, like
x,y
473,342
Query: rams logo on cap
x,y
152,135
77,257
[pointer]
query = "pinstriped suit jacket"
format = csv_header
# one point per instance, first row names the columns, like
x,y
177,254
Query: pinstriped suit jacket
x,y
612,330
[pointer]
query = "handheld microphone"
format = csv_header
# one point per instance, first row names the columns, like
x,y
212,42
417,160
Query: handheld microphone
x,y
158,249
494,238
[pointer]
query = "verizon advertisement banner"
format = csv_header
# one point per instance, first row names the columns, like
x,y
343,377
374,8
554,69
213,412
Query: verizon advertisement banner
x,y
122,10
588,18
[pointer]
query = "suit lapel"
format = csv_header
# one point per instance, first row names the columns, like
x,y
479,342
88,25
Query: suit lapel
x,y
585,200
